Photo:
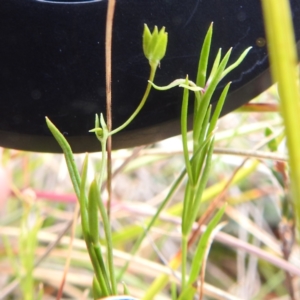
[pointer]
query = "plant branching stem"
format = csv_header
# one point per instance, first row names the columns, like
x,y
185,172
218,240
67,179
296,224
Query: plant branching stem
x,y
142,103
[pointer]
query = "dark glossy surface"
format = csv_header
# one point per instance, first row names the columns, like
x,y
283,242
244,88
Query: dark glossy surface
x,y
52,64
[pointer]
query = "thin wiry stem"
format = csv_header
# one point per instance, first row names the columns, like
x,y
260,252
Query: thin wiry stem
x,y
108,50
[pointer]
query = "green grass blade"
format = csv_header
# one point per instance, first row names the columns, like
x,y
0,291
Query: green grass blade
x,y
200,126
201,247
97,293
218,108
93,216
100,261
215,66
184,131
188,293
187,206
83,201
213,82
73,171
95,191
215,79
201,141
204,56
236,63
200,188
98,269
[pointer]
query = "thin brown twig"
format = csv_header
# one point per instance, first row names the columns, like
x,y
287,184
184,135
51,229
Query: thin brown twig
x,y
108,51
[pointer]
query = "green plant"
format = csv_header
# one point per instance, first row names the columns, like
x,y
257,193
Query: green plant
x,y
258,206
154,46
197,167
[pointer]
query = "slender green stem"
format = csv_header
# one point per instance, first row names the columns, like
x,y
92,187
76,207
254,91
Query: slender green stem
x,y
85,218
142,103
100,262
200,188
199,142
184,113
283,57
236,63
187,204
218,109
98,271
96,191
103,162
137,244
184,250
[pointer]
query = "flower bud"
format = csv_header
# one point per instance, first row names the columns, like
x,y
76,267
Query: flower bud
x,y
154,44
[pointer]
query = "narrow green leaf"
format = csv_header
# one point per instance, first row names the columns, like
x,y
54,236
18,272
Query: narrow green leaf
x,y
218,108
188,293
108,236
187,206
201,247
173,290
98,266
214,67
201,143
237,63
204,56
93,216
200,129
83,201
211,85
191,88
184,131
97,293
125,289
184,252
215,80
201,186
73,171
174,83
104,275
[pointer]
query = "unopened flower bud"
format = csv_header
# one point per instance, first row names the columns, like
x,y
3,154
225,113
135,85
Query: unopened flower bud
x,y
154,44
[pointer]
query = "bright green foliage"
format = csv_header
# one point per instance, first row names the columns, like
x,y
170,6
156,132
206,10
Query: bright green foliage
x,y
199,164
197,167
104,283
